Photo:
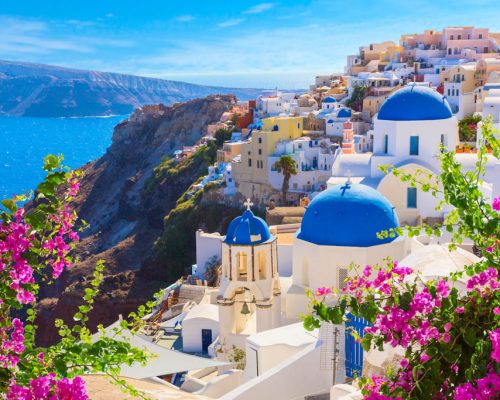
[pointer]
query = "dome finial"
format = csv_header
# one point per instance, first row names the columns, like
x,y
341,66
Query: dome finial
x,y
248,203
349,175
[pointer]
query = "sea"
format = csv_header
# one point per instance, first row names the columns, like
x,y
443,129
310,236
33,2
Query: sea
x,y
24,142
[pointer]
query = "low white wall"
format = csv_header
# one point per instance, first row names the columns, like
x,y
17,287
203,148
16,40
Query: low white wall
x,y
222,384
295,378
207,246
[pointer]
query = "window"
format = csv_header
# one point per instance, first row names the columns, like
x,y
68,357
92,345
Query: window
x,y
459,37
411,197
260,151
241,265
480,36
298,125
442,143
449,51
249,162
386,144
413,145
451,37
448,92
260,140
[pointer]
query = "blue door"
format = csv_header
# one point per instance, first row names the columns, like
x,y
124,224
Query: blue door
x,y
206,339
353,349
411,200
413,145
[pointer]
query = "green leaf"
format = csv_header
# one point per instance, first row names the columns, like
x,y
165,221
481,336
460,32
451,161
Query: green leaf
x,y
10,205
51,162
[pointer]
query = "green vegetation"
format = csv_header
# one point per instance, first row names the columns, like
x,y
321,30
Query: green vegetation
x,y
356,100
239,357
467,128
221,135
286,166
175,248
170,171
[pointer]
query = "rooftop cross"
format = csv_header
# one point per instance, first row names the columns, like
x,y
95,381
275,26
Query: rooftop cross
x,y
349,175
248,204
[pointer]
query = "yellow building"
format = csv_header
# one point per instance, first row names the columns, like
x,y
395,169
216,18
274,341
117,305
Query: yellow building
x,y
251,172
229,151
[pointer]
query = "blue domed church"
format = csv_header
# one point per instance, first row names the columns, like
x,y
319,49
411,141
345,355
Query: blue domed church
x,y
341,226
412,127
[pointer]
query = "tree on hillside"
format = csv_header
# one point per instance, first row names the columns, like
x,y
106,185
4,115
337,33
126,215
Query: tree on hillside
x,y
287,167
356,100
221,135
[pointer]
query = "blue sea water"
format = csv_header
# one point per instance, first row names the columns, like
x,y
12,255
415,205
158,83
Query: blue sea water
x,y
25,141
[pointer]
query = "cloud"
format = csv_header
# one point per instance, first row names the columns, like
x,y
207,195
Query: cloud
x,y
25,37
259,8
185,18
230,22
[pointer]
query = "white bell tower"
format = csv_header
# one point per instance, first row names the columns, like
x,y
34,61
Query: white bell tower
x,y
249,298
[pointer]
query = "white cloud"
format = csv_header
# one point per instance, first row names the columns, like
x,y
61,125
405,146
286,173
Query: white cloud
x,y
259,8
25,36
230,22
185,18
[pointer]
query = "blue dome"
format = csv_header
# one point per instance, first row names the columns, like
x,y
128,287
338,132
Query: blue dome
x,y
415,103
329,99
348,215
330,121
247,229
344,113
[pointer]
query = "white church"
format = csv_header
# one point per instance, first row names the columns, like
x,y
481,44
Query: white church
x,y
266,271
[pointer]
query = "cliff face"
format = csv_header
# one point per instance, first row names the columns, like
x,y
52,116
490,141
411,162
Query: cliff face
x,y
38,90
125,199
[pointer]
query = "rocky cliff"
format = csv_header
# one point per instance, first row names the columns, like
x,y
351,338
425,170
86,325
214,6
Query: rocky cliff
x,y
139,215
38,90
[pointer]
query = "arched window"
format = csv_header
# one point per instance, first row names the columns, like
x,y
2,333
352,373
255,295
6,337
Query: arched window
x,y
241,265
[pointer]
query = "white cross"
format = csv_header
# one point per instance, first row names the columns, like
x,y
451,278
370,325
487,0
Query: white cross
x,y
349,175
248,204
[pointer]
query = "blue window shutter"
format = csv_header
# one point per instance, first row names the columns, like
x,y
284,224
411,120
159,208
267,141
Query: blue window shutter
x,y
411,200
413,145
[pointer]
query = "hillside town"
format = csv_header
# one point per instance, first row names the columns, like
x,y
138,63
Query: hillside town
x,y
233,328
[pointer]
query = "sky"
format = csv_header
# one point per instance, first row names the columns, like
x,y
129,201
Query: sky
x,y
228,43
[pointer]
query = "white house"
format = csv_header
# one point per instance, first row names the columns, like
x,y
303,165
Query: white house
x,y
200,327
314,160
408,131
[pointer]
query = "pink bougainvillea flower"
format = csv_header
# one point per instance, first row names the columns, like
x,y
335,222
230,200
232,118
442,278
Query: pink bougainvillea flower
x,y
496,203
323,291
